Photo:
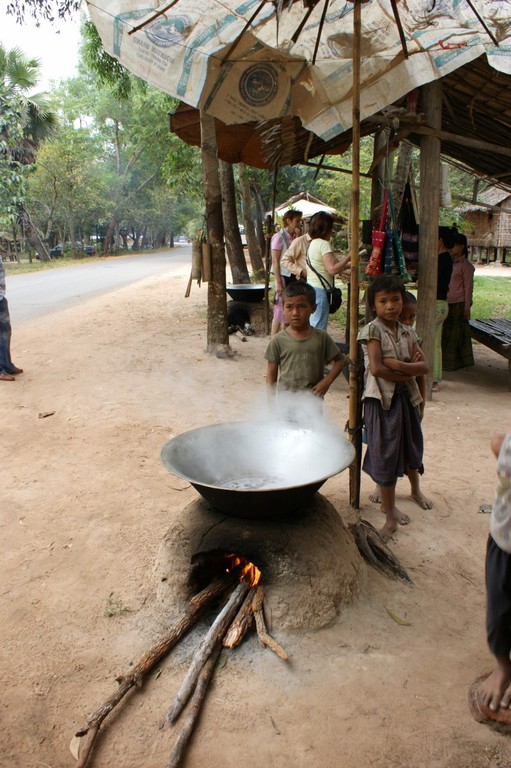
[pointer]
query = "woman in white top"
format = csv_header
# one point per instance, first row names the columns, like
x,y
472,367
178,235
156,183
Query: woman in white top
x,y
324,261
280,242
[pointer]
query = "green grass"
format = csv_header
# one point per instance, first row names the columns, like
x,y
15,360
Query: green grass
x,y
492,297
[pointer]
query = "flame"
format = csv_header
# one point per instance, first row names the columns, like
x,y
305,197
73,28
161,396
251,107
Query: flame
x,y
247,570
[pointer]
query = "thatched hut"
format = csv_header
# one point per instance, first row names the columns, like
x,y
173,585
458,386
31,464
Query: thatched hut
x,y
488,225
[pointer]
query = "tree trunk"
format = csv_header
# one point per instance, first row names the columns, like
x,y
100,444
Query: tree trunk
x,y
428,230
33,236
235,253
260,215
218,335
254,248
107,243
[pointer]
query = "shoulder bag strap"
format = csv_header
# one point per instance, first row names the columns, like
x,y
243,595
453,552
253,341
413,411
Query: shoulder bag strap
x,y
326,285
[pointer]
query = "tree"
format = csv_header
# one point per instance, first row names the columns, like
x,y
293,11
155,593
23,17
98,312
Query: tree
x,y
42,9
26,121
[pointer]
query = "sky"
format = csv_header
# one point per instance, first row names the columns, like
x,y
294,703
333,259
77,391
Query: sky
x,y
55,45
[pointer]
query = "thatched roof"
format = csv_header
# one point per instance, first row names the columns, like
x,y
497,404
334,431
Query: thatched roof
x,y
476,128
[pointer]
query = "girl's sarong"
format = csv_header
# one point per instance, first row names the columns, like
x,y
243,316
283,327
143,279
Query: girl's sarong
x,y
456,340
394,438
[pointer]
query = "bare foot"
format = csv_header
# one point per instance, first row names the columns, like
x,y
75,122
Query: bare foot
x,y
495,692
388,530
375,496
399,517
421,500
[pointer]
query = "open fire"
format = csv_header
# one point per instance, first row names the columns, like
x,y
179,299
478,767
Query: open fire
x,y
245,570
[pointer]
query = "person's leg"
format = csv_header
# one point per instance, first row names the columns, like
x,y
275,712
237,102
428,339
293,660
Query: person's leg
x,y
375,496
5,337
495,691
319,319
394,517
416,493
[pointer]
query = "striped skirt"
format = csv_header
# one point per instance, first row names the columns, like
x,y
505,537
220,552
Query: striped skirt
x,y
394,438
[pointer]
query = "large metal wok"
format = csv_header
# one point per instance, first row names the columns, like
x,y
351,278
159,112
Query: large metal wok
x,y
257,469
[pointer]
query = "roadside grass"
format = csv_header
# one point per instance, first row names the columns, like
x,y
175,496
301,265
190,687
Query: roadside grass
x,y
25,265
492,295
492,298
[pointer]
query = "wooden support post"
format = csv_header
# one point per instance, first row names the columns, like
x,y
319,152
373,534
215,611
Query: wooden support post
x,y
431,106
355,431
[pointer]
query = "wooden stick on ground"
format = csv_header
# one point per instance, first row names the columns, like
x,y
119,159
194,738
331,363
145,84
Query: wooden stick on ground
x,y
264,637
215,634
193,611
188,727
241,623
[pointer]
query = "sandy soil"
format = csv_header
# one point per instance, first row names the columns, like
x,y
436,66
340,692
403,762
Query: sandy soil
x,y
85,503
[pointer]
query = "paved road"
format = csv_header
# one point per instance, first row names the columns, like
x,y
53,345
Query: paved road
x,y
35,294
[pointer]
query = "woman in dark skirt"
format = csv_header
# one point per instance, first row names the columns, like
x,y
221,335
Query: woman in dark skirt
x,y
456,339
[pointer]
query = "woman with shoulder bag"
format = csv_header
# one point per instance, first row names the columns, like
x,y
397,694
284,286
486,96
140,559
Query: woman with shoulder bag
x,y
324,265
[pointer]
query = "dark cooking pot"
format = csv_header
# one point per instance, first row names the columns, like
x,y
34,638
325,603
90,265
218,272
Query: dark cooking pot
x,y
249,292
257,469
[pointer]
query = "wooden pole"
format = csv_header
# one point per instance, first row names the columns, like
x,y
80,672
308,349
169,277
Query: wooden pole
x,y
431,106
218,337
355,432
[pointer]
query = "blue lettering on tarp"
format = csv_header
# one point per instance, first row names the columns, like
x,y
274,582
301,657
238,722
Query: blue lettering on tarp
x,y
119,25
191,52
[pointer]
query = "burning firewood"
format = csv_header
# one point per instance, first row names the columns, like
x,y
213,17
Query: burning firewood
x,y
264,637
375,552
242,622
82,747
214,636
205,674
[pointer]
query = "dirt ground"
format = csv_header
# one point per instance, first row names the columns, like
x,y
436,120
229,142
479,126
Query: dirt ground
x,y
85,503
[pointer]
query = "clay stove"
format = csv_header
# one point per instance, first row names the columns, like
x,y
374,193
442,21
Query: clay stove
x,y
310,565
263,506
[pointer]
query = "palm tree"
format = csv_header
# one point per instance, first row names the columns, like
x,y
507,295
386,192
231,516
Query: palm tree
x,y
26,117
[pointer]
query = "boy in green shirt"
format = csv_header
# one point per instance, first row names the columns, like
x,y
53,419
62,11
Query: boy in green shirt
x,y
297,356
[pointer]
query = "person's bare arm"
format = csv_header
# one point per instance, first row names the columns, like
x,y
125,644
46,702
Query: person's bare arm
x,y
322,387
333,265
379,367
272,375
275,263
496,444
421,383
416,367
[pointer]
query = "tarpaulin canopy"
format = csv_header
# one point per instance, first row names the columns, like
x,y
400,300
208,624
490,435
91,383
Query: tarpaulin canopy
x,y
259,60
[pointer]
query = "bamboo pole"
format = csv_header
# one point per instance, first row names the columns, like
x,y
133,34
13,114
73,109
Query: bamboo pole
x,y
354,425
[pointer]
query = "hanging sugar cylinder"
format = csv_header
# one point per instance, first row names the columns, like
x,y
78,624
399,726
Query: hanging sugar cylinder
x,y
196,260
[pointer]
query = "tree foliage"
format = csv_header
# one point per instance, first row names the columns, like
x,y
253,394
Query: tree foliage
x,y
42,9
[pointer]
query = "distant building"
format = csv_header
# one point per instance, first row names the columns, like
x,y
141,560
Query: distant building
x,y
488,225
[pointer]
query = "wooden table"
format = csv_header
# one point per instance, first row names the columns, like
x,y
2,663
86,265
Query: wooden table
x,y
495,334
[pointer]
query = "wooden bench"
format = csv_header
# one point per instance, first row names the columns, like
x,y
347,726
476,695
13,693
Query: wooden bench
x,y
495,334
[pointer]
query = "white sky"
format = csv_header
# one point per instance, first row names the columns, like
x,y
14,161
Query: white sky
x,y
55,45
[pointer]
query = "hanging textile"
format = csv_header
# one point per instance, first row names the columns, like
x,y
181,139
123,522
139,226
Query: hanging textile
x,y
409,229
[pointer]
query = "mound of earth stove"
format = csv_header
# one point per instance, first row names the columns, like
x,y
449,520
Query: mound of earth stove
x,y
310,564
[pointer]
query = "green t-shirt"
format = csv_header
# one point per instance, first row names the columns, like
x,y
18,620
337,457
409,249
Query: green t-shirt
x,y
301,361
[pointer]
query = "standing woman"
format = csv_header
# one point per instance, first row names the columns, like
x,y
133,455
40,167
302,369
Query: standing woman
x,y
325,261
280,242
445,243
456,340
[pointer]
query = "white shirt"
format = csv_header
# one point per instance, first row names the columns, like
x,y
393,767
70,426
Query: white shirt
x,y
500,520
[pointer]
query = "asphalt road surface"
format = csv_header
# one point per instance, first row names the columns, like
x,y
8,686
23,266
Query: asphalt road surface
x,y
37,293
